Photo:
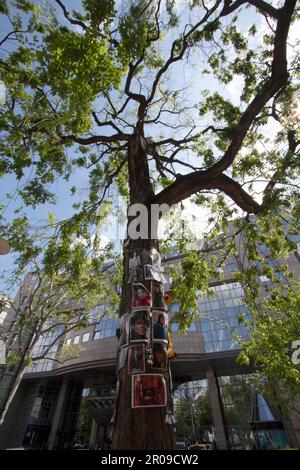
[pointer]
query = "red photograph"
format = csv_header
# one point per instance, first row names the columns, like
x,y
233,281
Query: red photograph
x,y
148,390
140,295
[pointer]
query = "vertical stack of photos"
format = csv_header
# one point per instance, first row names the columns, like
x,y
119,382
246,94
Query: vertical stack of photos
x,y
147,330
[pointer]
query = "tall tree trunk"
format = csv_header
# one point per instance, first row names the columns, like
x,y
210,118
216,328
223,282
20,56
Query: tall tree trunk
x,y
12,389
139,428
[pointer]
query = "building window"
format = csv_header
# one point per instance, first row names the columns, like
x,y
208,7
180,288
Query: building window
x,y
106,327
43,406
220,315
2,317
85,337
97,313
231,265
47,346
36,409
76,339
236,394
194,421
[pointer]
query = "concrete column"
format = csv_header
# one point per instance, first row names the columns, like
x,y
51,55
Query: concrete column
x,y
221,436
93,435
58,414
100,436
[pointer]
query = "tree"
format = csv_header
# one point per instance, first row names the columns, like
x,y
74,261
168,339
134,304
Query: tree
x,y
273,325
47,307
193,412
98,85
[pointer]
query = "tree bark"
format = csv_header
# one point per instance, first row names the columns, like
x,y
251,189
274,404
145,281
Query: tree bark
x,y
139,428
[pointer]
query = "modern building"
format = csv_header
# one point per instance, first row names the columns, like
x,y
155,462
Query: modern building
x,y
60,406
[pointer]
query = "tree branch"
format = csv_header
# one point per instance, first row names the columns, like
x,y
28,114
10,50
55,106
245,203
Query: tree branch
x,y
69,18
265,7
10,34
106,123
186,185
95,139
175,58
273,85
135,96
293,143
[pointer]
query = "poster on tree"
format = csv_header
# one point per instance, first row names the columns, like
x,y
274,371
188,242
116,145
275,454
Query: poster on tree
x,y
148,390
139,325
160,355
160,325
136,359
141,297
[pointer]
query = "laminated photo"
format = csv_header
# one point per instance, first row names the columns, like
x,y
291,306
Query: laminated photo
x,y
151,257
135,268
139,325
158,300
136,359
160,321
148,390
122,355
141,297
124,329
160,355
152,273
134,260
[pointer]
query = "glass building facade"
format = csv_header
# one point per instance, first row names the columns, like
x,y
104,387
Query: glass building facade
x,y
219,317
45,365
192,408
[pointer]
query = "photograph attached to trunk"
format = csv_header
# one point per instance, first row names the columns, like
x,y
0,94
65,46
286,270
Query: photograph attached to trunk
x,y
148,390
139,325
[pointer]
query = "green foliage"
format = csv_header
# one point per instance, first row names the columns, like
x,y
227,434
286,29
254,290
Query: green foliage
x,y
77,67
135,29
3,7
192,409
69,351
222,109
12,358
272,298
99,14
189,279
273,327
35,193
